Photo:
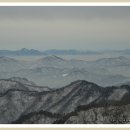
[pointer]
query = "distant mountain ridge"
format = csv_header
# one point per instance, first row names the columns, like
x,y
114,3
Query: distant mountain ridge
x,y
25,51
21,52
10,64
55,71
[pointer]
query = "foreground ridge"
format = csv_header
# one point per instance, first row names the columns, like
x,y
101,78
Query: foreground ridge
x,y
25,104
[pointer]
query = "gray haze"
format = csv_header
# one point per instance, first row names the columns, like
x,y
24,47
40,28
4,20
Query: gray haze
x,y
65,28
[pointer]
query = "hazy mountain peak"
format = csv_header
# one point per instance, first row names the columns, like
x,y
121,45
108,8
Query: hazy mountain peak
x,y
113,61
24,49
53,57
7,59
22,80
81,82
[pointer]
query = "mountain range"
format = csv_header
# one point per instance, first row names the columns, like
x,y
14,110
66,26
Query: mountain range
x,y
55,90
55,71
79,102
25,51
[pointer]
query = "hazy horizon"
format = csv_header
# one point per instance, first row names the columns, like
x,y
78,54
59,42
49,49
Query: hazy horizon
x,y
98,50
64,28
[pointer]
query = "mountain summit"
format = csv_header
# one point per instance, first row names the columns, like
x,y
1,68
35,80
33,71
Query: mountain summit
x,y
53,58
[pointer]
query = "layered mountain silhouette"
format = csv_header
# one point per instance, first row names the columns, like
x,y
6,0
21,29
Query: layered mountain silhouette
x,y
8,64
25,52
21,102
42,91
21,52
55,71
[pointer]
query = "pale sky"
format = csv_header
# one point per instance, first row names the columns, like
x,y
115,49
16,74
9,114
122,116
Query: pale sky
x,y
43,28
